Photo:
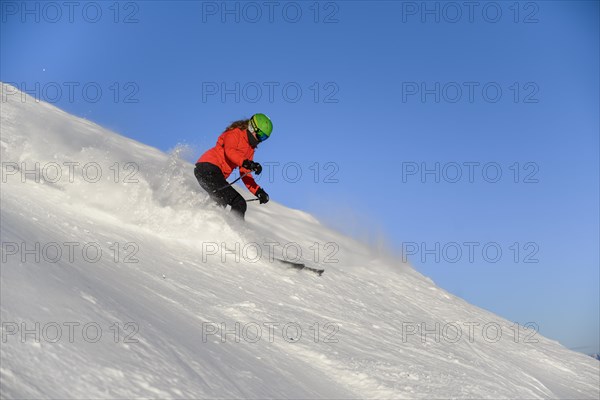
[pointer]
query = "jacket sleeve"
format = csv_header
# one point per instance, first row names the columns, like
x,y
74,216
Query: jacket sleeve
x,y
232,148
233,151
249,181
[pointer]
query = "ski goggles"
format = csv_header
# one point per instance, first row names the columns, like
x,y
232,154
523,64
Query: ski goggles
x,y
261,136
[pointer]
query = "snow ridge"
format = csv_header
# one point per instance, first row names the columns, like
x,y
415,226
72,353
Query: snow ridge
x,y
126,294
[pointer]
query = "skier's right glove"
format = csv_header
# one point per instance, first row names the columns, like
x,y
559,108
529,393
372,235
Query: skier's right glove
x,y
252,166
263,197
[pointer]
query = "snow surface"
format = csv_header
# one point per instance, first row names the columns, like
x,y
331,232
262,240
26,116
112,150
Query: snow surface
x,y
177,295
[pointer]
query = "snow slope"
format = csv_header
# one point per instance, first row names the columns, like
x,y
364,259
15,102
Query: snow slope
x,y
152,328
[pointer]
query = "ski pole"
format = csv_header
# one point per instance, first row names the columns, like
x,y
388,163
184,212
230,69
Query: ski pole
x,y
252,199
229,184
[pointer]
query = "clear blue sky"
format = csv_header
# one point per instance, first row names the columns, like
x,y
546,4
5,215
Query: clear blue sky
x,y
368,115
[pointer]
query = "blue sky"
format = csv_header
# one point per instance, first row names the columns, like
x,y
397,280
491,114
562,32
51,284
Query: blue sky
x,y
365,97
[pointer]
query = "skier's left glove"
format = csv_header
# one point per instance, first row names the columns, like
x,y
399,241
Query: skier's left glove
x,y
263,197
252,166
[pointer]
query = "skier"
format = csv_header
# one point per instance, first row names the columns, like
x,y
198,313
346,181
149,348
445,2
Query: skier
x,y
235,149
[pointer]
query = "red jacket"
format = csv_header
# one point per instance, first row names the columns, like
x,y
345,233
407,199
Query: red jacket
x,y
230,152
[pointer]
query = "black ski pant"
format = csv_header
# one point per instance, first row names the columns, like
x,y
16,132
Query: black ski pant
x,y
211,178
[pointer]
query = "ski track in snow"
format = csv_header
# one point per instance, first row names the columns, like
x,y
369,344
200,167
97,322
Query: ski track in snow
x,y
361,303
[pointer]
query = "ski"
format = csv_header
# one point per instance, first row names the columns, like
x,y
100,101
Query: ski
x,y
301,266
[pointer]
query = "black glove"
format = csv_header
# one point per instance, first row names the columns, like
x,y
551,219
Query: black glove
x,y
263,197
252,166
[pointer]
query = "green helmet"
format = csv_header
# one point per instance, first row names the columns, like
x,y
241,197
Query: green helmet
x,y
261,125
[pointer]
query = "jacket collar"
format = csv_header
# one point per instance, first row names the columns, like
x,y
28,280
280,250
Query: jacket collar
x,y
253,141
